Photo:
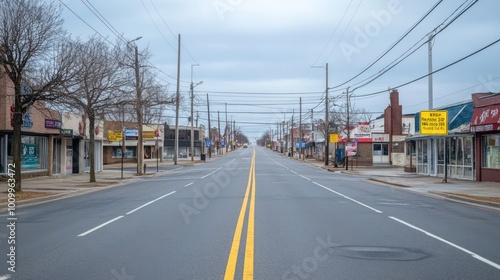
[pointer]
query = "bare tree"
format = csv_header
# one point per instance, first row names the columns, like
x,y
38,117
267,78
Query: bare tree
x,y
35,58
96,85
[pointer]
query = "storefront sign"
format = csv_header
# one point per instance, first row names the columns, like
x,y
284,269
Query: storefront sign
x,y
115,136
434,122
484,128
66,132
57,124
485,119
27,122
131,134
380,138
148,134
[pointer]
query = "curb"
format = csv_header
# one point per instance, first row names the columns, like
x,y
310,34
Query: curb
x,y
388,183
466,199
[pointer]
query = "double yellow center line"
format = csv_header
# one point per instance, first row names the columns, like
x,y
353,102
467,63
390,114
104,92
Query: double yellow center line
x,y
249,247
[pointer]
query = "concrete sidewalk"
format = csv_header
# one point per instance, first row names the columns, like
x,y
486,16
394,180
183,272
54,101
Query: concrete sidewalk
x,y
42,189
483,193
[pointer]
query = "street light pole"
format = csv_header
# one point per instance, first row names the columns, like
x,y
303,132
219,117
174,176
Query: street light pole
x,y
192,120
138,109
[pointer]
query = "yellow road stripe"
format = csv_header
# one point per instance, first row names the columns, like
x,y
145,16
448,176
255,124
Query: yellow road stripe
x,y
249,248
235,246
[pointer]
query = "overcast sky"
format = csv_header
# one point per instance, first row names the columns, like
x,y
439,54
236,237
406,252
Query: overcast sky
x,y
260,53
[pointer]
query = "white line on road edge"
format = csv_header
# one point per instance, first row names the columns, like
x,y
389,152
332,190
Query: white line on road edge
x,y
495,265
152,201
211,173
100,226
305,177
5,277
188,184
344,196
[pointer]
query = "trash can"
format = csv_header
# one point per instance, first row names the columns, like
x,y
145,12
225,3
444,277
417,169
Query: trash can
x,y
202,157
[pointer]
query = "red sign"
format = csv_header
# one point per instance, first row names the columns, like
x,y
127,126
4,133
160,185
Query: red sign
x,y
485,119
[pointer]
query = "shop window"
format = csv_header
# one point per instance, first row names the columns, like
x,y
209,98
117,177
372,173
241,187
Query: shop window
x,y
34,152
130,152
491,151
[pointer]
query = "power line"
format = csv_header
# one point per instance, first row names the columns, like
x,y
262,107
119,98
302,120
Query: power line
x,y
403,57
393,45
433,72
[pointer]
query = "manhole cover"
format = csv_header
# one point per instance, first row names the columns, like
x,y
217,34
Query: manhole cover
x,y
381,253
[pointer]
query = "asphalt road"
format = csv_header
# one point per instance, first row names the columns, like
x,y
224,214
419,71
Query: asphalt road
x,y
252,217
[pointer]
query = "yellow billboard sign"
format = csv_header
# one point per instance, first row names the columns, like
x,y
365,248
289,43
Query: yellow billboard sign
x,y
334,138
114,136
148,134
434,122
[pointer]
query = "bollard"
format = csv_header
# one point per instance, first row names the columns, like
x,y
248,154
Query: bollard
x,y
144,168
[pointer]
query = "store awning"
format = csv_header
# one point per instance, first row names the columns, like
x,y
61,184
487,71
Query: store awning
x,y
485,119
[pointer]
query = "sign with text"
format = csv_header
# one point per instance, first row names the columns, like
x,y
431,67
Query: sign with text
x,y
115,136
334,138
53,124
434,122
148,134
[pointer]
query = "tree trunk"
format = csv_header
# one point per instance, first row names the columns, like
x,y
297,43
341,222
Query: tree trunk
x,y
16,138
91,147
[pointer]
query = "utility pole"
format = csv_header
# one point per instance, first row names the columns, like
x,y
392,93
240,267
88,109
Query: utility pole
x,y
431,36
285,126
209,131
218,131
234,134
177,100
301,151
291,155
327,122
191,87
140,148
226,132
348,132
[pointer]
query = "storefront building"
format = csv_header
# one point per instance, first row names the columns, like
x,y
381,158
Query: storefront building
x,y
184,149
113,149
457,147
40,126
485,125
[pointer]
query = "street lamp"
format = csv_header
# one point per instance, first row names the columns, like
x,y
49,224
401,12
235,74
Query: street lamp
x,y
138,109
192,97
327,122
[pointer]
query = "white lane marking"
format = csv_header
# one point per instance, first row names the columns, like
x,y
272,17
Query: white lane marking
x,y
294,172
305,177
152,201
100,226
346,197
188,184
211,173
230,161
5,277
495,265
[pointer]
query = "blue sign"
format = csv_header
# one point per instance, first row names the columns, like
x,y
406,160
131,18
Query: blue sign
x,y
300,145
29,155
208,143
131,134
222,143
